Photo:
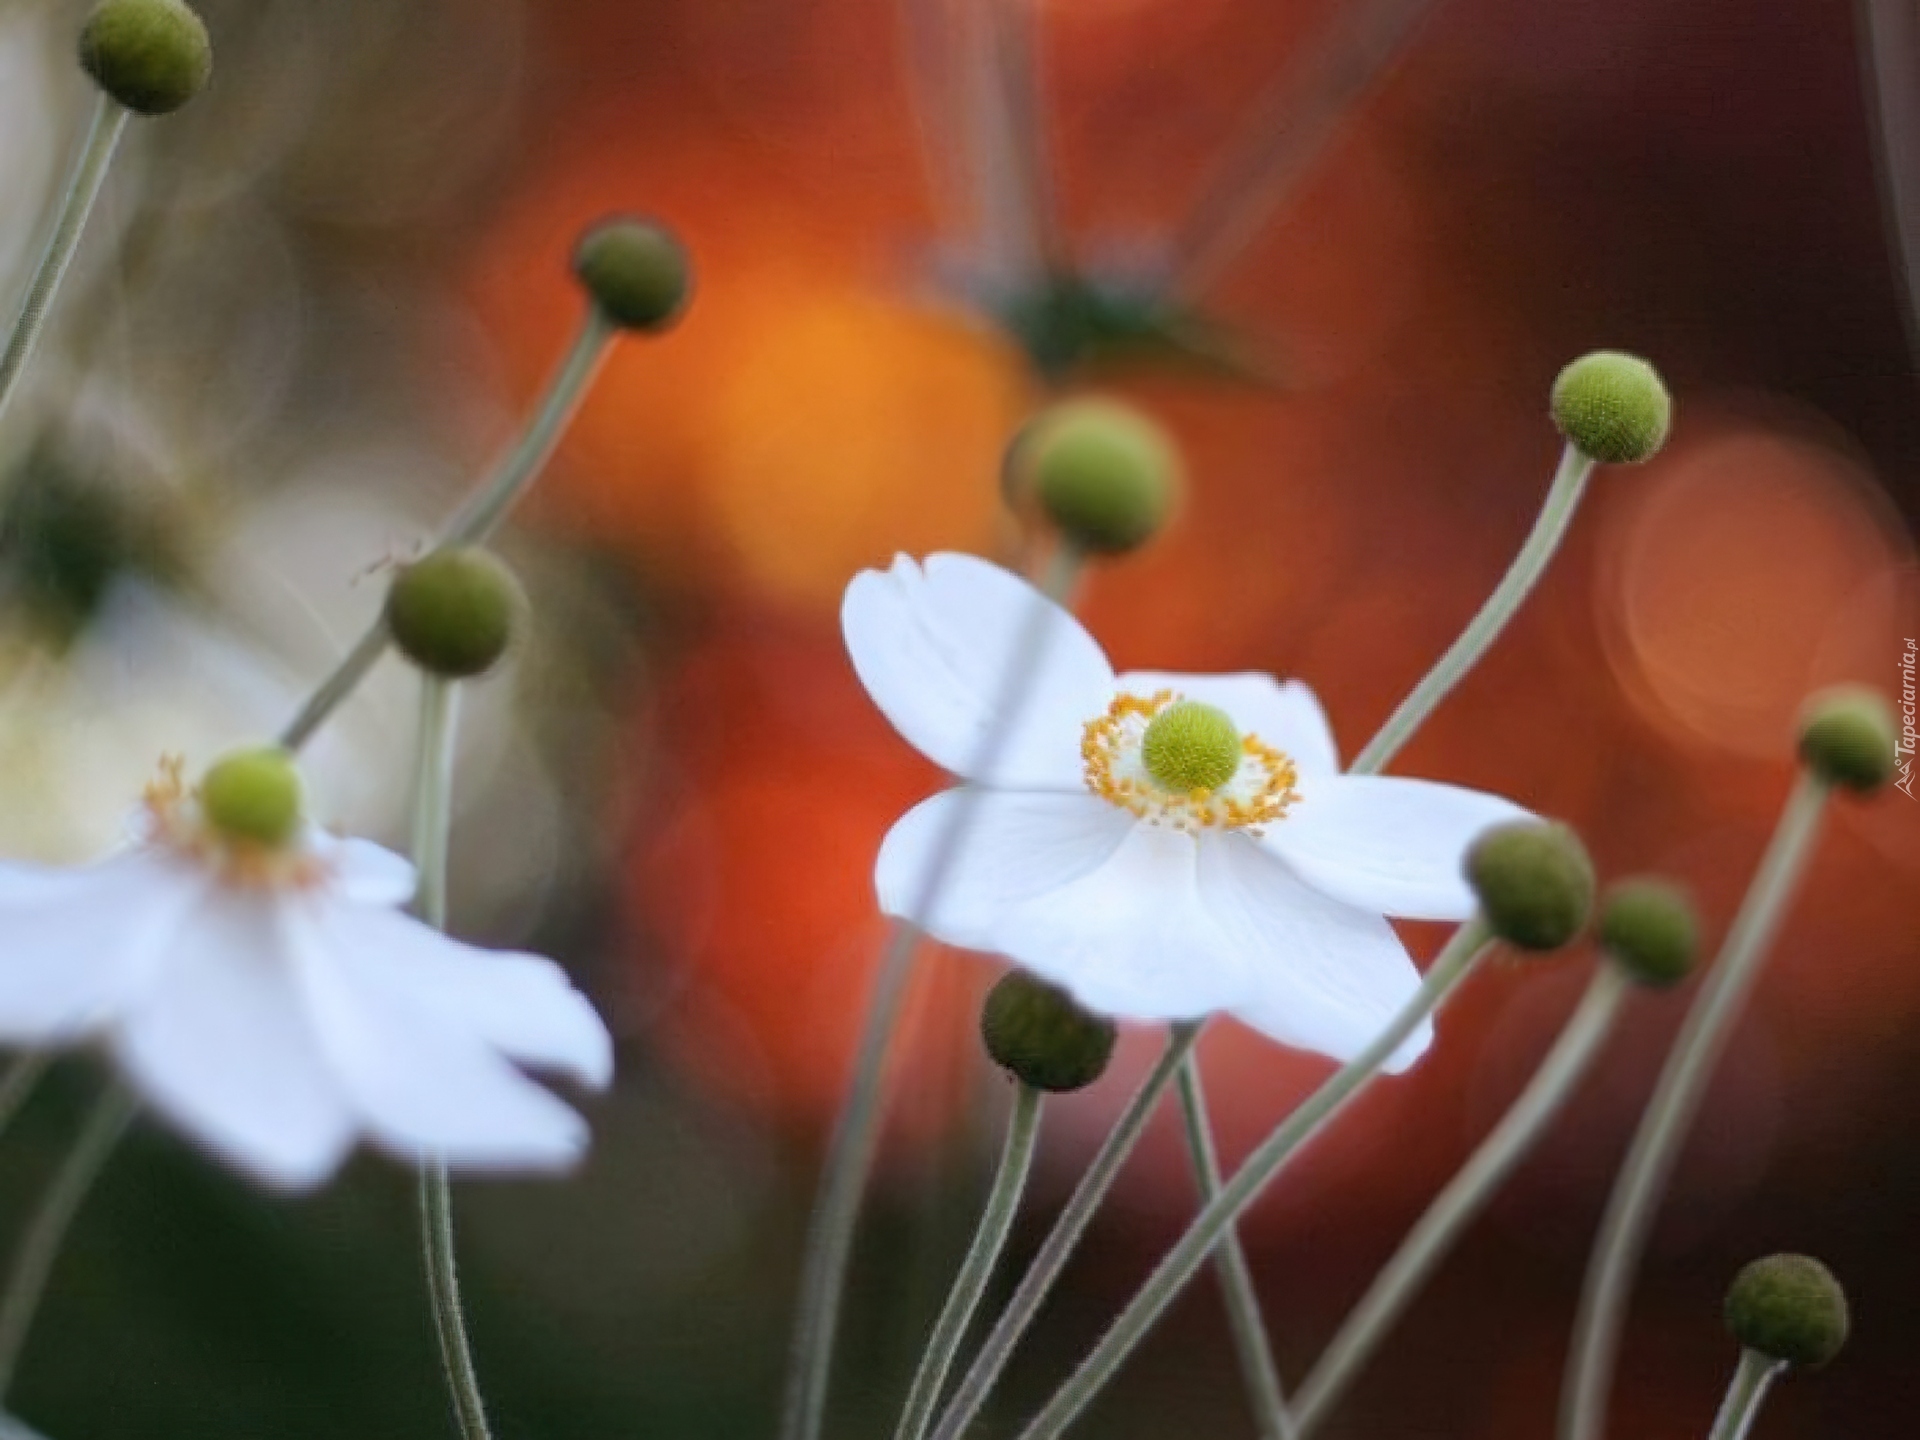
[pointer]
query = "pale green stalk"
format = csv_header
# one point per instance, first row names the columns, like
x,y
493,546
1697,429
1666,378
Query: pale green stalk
x,y
850,1152
1465,1196
22,1075
47,1230
480,515
1670,1113
1455,961
1563,498
1752,1378
1055,1250
432,826
1249,1328
83,188
996,1221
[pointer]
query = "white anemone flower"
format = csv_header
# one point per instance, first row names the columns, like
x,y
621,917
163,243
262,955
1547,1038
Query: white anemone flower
x,y
259,985
1162,846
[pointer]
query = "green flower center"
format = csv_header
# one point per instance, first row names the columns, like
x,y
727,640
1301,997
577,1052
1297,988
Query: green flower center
x,y
253,796
1190,746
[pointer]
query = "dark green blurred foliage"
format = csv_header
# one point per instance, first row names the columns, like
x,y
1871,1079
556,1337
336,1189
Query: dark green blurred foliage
x,y
1075,324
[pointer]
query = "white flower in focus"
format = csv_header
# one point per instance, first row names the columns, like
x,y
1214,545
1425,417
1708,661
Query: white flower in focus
x,y
258,984
1164,846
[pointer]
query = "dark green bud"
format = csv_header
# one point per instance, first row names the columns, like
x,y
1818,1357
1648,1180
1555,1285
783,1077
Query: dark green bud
x,y
1104,473
1789,1307
454,612
1613,407
1534,882
636,271
1847,738
253,796
1650,929
153,56
1037,1032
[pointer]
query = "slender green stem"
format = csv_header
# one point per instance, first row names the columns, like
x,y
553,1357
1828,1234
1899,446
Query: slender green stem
x,y
1454,963
22,1075
480,515
1465,1196
996,1220
1670,1113
850,1152
1563,498
1059,1245
47,1230
83,188
1236,1277
432,824
1747,1391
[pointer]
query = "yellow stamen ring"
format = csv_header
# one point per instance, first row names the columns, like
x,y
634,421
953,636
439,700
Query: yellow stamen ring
x,y
1177,762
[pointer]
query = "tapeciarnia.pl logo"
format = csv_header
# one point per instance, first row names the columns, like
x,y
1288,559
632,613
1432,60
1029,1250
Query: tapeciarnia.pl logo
x,y
1903,747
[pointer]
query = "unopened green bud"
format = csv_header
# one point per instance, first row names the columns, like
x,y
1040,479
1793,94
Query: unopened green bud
x,y
153,56
454,612
1789,1307
1534,883
636,271
253,796
1650,930
1103,472
1036,1031
1613,407
1847,737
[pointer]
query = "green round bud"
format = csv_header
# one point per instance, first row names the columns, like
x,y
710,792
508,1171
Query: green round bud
x,y
1613,407
1190,746
1847,737
1534,883
1650,929
1037,1033
454,612
636,271
253,796
1103,472
1789,1307
153,56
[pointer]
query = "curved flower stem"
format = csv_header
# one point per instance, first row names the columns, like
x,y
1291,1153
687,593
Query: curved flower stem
x,y
1563,497
481,513
1747,1391
1456,1206
432,823
18,1083
1670,1113
1236,1278
83,188
1054,1251
1454,963
996,1220
856,1134
47,1230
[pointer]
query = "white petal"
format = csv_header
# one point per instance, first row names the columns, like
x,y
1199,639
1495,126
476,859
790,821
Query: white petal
x,y
366,873
223,1047
422,1082
1386,844
933,644
1012,847
522,1005
1326,977
1284,713
77,946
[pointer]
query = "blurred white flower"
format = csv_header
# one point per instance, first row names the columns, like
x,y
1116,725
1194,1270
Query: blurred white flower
x,y
274,1002
1162,845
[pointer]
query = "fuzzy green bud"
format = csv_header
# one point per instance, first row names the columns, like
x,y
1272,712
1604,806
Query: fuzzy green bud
x,y
636,271
253,796
454,612
1037,1033
152,56
1534,883
1789,1307
1614,408
1103,472
1847,738
1650,929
